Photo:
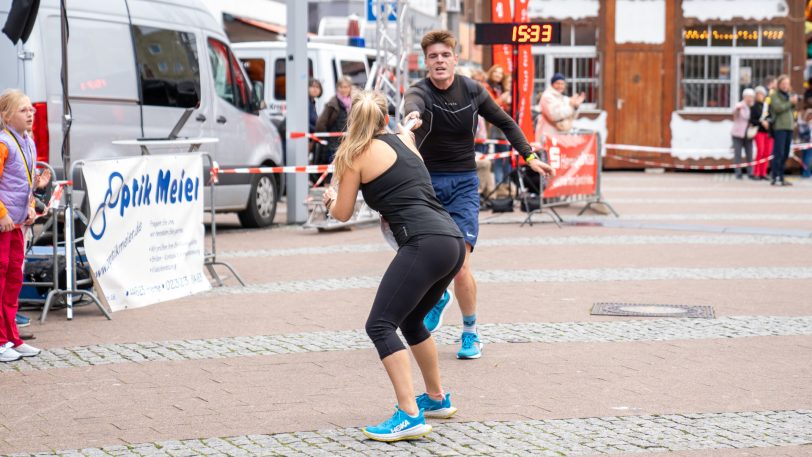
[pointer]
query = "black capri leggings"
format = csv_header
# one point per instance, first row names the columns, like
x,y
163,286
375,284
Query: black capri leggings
x,y
412,285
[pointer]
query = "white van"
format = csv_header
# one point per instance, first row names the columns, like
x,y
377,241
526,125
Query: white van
x,y
134,66
265,63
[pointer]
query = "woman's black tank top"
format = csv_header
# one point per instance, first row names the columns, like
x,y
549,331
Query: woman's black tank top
x,y
404,196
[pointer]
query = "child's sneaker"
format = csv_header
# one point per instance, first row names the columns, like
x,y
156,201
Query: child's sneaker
x,y
471,346
400,426
8,354
436,409
434,319
26,350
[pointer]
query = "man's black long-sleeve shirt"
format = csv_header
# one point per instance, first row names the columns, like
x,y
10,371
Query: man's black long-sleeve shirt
x,y
446,137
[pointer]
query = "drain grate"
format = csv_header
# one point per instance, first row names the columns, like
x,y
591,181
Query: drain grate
x,y
642,310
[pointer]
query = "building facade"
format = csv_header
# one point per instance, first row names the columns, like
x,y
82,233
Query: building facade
x,y
668,73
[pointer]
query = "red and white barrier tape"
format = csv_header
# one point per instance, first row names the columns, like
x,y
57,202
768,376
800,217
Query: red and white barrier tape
x,y
652,163
275,170
56,196
324,169
629,147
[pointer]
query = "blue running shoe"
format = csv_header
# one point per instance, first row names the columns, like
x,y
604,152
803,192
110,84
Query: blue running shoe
x,y
400,426
471,346
434,319
436,409
22,321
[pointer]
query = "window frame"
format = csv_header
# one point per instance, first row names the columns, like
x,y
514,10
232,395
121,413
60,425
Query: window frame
x,y
549,54
736,55
233,64
274,75
139,77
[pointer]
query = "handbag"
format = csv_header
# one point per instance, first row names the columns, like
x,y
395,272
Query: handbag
x,y
502,205
751,132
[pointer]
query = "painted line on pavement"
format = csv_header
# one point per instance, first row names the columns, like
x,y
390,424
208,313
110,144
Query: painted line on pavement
x,y
348,340
713,201
551,437
606,240
535,276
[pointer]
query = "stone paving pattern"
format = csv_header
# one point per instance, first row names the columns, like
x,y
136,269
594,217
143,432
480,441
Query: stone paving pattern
x,y
535,241
604,435
280,367
530,332
538,276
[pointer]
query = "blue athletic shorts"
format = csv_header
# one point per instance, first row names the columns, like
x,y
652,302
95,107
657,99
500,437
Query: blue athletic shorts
x,y
459,194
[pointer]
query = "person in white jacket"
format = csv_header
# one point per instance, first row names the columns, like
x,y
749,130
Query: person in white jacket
x,y
558,111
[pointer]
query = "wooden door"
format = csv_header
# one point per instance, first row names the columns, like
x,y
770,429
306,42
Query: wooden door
x,y
638,115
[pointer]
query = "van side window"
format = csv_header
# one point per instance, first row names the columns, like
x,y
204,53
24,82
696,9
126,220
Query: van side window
x,y
356,70
168,67
255,68
230,82
279,81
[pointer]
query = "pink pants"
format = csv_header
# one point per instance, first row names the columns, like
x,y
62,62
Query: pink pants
x,y
12,253
764,147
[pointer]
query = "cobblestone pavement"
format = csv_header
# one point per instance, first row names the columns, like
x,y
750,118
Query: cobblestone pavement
x,y
280,367
592,436
535,241
539,276
531,332
715,216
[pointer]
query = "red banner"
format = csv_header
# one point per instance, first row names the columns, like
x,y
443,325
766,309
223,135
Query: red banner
x,y
524,96
502,53
574,157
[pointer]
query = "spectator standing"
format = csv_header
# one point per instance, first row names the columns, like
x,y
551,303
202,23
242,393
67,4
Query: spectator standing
x,y
314,91
557,110
17,158
763,139
739,132
805,135
498,87
334,119
782,103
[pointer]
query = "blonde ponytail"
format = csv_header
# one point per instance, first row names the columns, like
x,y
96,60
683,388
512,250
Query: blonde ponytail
x,y
367,118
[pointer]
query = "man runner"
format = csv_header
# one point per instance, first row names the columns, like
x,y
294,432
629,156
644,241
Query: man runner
x,y
445,107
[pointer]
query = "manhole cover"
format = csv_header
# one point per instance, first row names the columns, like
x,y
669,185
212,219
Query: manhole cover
x,y
642,310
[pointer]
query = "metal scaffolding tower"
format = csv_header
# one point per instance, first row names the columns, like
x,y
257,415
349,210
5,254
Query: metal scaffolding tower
x,y
394,42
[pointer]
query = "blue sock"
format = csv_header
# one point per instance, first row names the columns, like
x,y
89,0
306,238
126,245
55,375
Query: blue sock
x,y
469,323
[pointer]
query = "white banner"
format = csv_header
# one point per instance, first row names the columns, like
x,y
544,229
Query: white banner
x,y
145,242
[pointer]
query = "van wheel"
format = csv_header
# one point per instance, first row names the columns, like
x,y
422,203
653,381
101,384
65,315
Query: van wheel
x,y
261,208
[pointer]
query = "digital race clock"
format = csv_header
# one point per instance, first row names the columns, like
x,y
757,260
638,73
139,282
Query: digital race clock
x,y
518,33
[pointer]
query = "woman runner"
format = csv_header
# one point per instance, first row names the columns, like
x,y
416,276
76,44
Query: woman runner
x,y
394,181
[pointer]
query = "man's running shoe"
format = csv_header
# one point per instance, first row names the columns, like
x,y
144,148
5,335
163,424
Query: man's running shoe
x,y
400,426
436,409
471,346
434,319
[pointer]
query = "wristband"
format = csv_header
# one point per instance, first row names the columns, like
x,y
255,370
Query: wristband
x,y
530,157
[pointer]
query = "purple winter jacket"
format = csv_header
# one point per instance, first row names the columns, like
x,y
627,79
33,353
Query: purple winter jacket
x,y
15,187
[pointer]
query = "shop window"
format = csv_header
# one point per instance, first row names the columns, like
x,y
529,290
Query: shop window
x,y
580,71
707,81
720,61
738,36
